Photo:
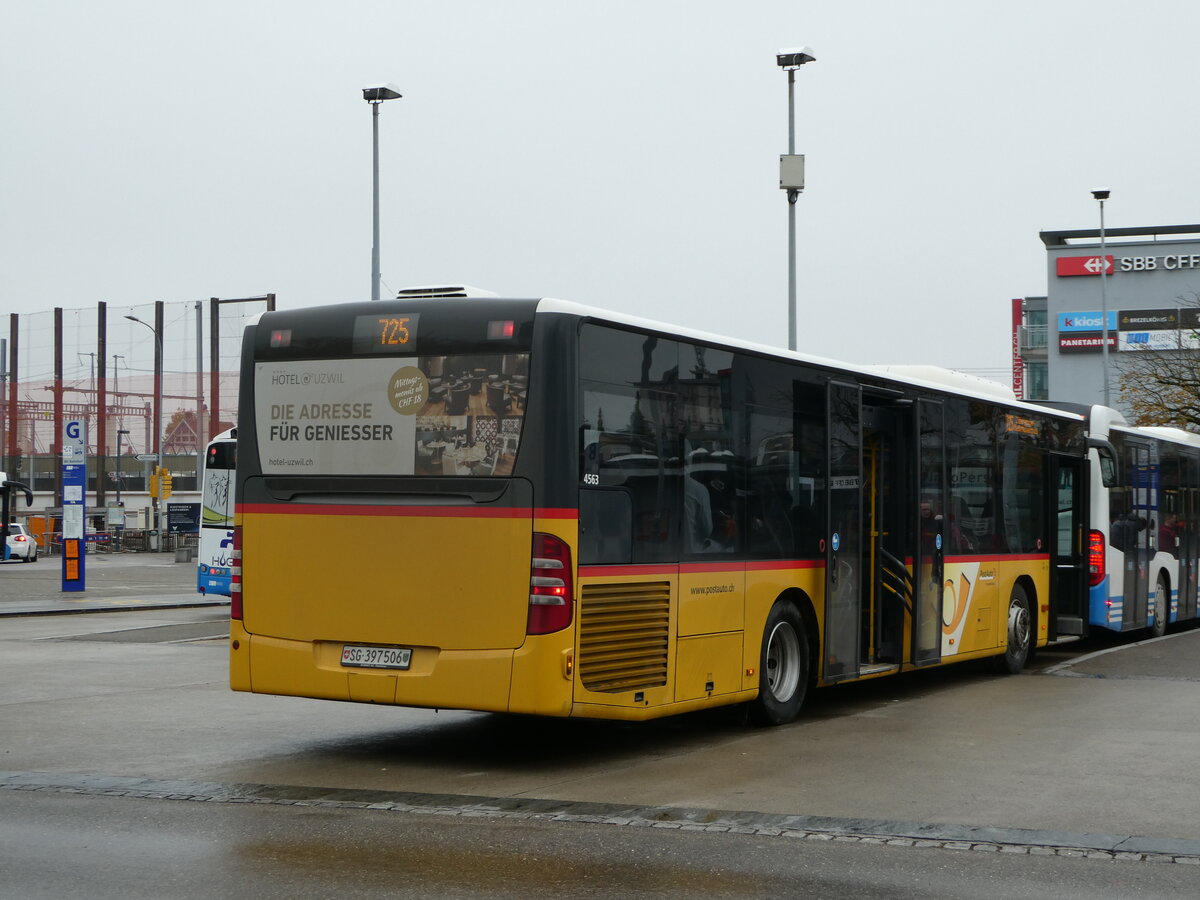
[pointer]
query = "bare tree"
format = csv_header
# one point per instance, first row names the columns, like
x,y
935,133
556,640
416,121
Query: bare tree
x,y
1162,386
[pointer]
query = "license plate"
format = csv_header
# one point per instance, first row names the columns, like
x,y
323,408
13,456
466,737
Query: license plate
x,y
376,657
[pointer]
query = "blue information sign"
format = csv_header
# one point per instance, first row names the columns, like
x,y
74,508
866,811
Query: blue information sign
x,y
74,500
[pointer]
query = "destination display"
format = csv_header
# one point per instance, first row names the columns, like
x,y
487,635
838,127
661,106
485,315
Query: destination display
x,y
385,334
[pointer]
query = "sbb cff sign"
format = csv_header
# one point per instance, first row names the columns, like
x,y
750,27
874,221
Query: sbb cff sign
x,y
1083,265
1093,265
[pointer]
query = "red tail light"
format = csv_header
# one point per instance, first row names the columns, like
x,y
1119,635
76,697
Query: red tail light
x,y
20,538
1096,553
551,591
235,575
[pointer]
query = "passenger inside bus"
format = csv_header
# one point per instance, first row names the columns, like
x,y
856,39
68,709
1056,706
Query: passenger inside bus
x,y
1168,534
697,512
1123,534
771,511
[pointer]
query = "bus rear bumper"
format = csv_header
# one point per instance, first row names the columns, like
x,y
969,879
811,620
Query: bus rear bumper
x,y
437,679
1104,611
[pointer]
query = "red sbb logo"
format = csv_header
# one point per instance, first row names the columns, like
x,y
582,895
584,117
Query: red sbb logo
x,y
1083,265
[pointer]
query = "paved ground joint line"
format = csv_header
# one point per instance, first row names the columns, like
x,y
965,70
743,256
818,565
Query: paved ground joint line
x,y
1127,848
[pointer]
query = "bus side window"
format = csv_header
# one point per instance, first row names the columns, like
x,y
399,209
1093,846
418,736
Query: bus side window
x,y
605,526
772,485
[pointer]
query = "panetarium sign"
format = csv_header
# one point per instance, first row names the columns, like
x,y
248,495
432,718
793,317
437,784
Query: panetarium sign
x,y
1130,329
1066,266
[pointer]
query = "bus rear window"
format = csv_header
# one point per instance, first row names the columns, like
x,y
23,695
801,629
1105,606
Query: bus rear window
x,y
426,415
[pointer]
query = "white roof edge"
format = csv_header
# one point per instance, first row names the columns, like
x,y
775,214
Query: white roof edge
x,y
951,378
1169,433
553,305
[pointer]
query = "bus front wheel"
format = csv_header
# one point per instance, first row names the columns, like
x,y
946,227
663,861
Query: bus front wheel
x,y
783,667
1020,632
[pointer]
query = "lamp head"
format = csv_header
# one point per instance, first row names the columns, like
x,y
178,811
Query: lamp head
x,y
795,57
377,93
1101,195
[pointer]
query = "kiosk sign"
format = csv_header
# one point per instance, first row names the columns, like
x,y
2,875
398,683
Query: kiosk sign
x,y
74,482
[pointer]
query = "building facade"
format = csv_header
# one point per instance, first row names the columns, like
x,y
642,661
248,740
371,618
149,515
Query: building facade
x,y
1147,281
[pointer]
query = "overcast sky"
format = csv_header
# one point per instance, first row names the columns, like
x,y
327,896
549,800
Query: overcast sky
x,y
620,154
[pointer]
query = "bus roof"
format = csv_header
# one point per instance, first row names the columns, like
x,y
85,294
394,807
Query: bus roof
x,y
930,377
1168,433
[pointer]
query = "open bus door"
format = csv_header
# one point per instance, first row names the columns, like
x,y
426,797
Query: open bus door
x,y
843,540
868,591
1068,497
1141,471
931,534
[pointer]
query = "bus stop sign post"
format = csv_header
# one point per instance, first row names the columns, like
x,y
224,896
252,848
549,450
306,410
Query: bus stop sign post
x,y
74,482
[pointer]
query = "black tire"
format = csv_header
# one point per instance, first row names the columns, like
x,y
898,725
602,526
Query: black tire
x,y
1162,607
1020,632
783,667
32,557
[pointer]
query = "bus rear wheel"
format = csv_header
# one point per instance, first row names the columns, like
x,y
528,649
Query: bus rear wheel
x,y
1020,632
1162,604
783,667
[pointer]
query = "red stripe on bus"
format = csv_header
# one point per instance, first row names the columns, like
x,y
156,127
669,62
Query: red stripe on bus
x,y
765,565
592,571
999,557
444,512
552,513
908,560
701,568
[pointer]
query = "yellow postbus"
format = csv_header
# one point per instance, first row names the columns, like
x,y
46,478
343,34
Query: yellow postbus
x,y
536,507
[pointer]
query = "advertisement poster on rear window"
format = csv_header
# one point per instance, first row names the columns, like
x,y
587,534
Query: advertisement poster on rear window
x,y
436,415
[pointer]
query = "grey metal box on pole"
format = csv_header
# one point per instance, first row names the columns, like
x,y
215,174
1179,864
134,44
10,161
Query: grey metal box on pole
x,y
791,172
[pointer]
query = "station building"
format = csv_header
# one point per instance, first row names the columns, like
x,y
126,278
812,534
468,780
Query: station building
x,y
1150,288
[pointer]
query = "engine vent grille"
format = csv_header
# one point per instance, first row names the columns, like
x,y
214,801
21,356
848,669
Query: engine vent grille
x,y
624,631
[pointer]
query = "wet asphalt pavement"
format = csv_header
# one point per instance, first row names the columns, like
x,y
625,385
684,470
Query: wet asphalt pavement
x,y
1090,754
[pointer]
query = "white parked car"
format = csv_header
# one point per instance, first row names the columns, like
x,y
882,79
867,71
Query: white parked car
x,y
21,544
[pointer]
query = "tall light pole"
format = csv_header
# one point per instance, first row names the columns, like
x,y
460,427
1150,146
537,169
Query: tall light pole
x,y
157,404
791,173
1102,196
120,475
118,543
376,94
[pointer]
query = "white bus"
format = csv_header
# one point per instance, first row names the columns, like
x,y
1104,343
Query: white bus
x,y
1143,540
216,515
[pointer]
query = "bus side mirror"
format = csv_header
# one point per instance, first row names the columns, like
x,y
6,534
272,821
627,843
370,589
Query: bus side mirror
x,y
1108,470
1109,473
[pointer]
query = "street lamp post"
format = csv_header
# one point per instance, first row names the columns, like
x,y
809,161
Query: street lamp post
x,y
120,475
157,406
1101,196
791,173
375,95
120,481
